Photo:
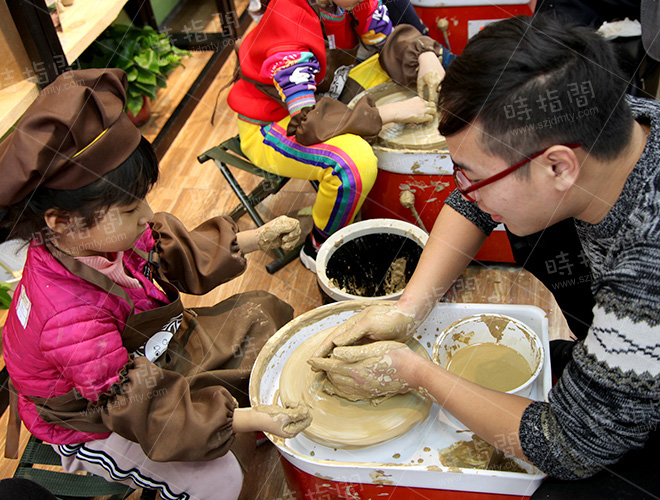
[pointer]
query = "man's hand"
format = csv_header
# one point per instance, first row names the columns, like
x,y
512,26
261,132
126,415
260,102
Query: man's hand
x,y
362,372
379,322
282,232
429,76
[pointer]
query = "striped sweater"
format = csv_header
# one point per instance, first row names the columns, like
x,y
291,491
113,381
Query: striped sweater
x,y
607,401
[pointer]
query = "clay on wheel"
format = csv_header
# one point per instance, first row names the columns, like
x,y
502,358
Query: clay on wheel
x,y
337,422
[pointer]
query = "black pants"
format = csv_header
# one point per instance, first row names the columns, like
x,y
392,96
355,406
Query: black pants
x,y
555,257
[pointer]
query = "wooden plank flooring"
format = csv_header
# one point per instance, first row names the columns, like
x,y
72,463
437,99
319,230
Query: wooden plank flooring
x,y
194,192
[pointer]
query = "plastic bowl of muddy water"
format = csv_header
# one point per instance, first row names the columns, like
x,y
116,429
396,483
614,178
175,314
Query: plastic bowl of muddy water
x,y
492,350
369,259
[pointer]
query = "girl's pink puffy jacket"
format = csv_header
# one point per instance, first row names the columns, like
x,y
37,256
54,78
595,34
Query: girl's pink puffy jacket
x,y
63,333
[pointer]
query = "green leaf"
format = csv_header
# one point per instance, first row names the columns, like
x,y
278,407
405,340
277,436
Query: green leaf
x,y
5,299
134,103
146,56
132,74
148,90
145,77
161,81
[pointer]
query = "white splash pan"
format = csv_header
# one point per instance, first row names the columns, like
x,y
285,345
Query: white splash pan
x,y
417,464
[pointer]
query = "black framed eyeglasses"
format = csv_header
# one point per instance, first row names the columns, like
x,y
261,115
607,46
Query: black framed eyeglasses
x,y
465,185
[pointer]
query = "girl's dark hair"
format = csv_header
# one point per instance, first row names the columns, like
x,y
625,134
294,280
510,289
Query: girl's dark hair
x,y
530,83
129,182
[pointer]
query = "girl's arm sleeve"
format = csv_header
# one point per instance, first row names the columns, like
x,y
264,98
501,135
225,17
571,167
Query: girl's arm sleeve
x,y
293,75
374,24
136,398
401,51
197,261
330,118
312,122
156,408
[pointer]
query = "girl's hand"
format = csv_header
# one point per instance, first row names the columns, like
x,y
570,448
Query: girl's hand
x,y
285,422
429,76
365,372
413,110
282,232
379,322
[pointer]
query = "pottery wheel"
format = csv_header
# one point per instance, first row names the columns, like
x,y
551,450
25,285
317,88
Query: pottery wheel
x,y
340,423
403,135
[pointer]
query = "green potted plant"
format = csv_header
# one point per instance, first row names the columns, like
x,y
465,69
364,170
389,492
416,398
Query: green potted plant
x,y
5,298
146,56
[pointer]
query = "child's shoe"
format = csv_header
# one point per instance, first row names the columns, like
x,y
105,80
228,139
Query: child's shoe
x,y
308,254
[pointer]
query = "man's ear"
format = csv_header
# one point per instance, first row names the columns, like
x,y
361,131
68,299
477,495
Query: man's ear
x,y
565,166
57,220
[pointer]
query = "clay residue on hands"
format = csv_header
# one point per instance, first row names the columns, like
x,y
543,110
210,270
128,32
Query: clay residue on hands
x,y
370,364
282,232
379,322
293,418
427,86
337,422
477,454
423,135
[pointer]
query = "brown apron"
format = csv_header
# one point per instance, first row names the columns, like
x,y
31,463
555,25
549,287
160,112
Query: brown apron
x,y
180,406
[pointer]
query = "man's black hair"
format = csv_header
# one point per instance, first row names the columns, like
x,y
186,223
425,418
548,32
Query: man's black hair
x,y
529,83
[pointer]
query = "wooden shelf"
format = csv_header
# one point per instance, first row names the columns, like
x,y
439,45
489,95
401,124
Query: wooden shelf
x,y
83,21
14,100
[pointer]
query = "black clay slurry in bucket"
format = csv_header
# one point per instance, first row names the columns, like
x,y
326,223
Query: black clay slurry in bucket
x,y
373,265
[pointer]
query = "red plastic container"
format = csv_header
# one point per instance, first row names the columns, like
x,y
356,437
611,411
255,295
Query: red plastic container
x,y
466,17
306,486
418,173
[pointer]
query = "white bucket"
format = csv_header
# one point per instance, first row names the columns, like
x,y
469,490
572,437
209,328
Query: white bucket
x,y
332,277
476,329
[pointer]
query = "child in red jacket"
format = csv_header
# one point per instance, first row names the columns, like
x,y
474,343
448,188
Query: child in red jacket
x,y
297,72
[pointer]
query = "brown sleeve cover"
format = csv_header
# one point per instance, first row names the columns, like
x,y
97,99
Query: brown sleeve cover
x,y
330,118
401,50
197,261
151,406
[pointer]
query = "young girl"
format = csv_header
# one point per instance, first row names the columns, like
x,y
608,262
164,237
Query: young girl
x,y
107,364
297,71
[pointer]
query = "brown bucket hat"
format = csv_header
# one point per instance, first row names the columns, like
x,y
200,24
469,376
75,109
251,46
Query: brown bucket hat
x,y
75,132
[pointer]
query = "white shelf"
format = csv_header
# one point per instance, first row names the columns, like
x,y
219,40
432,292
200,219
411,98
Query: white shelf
x,y
14,100
83,21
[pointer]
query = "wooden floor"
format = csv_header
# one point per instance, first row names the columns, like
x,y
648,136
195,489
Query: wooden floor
x,y
194,192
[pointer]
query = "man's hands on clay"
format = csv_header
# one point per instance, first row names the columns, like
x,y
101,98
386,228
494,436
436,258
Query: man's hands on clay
x,y
285,422
379,322
364,372
429,76
282,232
413,110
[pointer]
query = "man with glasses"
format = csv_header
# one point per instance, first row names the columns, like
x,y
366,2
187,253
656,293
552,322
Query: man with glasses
x,y
543,137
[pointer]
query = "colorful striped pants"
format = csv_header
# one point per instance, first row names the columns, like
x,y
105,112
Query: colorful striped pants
x,y
345,166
